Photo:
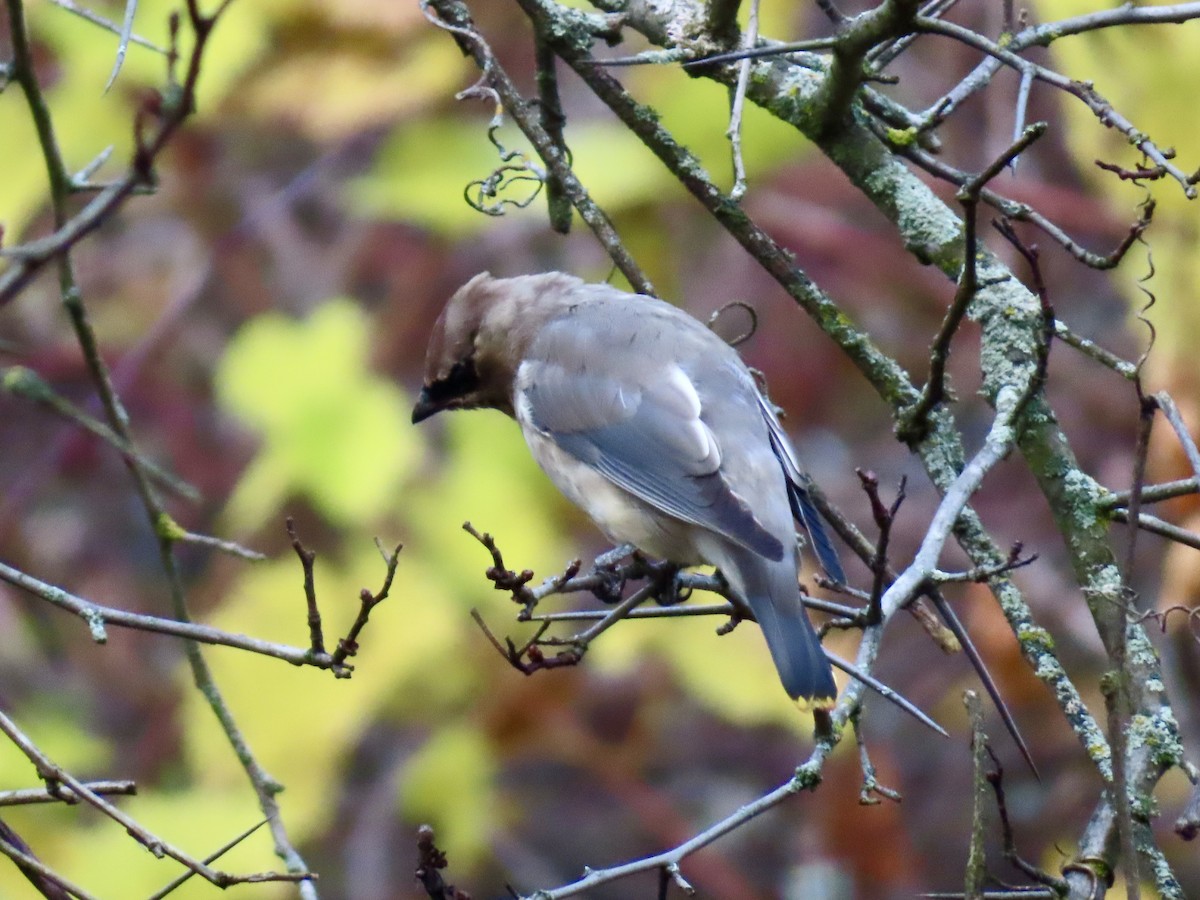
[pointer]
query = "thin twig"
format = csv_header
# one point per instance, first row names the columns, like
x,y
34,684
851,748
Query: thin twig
x,y
64,795
1094,351
29,258
1154,493
976,866
996,779
1085,92
97,617
49,883
738,102
1023,212
885,54
1161,527
316,637
914,423
233,548
367,601
867,794
22,382
1186,441
1045,34
55,774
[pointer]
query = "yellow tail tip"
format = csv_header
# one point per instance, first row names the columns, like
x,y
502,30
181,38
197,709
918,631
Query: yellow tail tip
x,y
811,704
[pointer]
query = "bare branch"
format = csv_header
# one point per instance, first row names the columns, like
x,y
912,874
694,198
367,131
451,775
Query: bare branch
x,y
97,617
64,794
54,775
1101,108
1155,493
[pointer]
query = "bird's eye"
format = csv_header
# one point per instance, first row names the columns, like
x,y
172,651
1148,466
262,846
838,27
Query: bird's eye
x,y
461,380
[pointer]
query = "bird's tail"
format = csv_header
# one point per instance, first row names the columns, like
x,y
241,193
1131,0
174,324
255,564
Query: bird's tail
x,y
771,590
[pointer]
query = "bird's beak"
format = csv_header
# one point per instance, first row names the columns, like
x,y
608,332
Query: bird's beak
x,y
425,407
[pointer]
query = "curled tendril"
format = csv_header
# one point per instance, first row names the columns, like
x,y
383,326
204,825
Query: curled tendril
x,y
714,321
1150,298
483,194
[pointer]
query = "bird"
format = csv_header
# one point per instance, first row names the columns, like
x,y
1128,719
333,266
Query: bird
x,y
653,426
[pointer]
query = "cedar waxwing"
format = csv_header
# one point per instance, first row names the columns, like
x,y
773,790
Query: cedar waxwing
x,y
653,426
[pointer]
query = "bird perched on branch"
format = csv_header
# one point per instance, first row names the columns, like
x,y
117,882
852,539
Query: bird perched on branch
x,y
653,426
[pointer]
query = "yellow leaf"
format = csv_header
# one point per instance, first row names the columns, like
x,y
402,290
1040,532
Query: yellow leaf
x,y
330,429
331,92
303,723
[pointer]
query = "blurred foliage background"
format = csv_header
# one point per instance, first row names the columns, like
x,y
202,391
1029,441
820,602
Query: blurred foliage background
x,y
265,314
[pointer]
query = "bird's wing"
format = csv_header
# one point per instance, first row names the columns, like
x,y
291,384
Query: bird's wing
x,y
802,507
635,416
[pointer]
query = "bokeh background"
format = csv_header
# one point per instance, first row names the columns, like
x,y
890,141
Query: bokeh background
x,y
265,314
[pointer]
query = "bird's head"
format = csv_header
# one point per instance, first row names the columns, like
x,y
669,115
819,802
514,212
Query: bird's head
x,y
481,337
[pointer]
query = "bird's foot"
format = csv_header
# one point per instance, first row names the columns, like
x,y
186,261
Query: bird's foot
x,y
610,575
665,578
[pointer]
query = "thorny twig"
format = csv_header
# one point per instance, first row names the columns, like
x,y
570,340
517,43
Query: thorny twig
x,y
1008,55
107,24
